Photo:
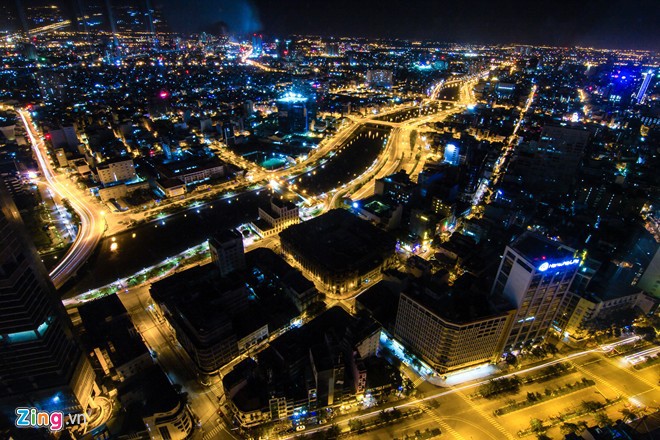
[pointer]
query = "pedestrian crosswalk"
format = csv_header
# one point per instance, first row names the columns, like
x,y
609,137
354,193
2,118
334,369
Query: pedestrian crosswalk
x,y
417,382
485,415
212,433
441,423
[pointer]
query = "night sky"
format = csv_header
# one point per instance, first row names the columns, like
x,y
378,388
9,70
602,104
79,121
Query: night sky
x,y
604,23
598,23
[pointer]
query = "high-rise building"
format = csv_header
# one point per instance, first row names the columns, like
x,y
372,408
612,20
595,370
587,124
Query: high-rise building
x,y
41,363
641,94
227,251
535,275
461,328
292,113
257,44
452,154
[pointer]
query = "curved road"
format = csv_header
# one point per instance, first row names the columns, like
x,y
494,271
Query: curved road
x,y
92,223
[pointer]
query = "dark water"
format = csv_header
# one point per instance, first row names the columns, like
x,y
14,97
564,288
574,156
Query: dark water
x,y
356,155
416,112
153,242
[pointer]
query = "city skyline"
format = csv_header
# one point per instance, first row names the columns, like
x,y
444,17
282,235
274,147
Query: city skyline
x,y
258,220
561,24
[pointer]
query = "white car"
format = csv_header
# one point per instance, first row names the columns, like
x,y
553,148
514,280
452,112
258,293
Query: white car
x,y
300,428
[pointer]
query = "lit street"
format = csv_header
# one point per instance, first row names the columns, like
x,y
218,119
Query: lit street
x,y
258,220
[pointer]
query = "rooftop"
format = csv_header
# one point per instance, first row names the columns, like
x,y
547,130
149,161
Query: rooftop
x,y
339,242
536,249
465,301
377,205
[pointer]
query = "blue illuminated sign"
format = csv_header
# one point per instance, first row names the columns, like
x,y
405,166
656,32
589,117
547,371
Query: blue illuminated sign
x,y
545,266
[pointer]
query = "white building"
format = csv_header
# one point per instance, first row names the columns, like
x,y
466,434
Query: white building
x,y
280,215
535,275
115,171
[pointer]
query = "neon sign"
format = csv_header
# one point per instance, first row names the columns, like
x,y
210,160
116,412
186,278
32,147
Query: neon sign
x,y
545,266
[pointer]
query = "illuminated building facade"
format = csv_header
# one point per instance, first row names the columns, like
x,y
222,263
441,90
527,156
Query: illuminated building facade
x,y
118,170
650,279
535,275
454,335
452,154
41,364
339,250
641,94
292,113
275,218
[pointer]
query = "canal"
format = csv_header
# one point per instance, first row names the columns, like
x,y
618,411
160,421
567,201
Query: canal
x,y
348,162
131,251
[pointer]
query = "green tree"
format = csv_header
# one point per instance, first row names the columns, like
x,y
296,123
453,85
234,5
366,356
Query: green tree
x,y
628,414
355,425
590,406
537,426
383,417
573,428
333,432
602,419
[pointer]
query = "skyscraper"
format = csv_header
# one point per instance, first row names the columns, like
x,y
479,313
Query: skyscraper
x,y
641,94
41,364
534,275
452,154
292,113
257,45
461,327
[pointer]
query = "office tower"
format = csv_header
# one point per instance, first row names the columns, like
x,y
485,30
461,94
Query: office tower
x,y
292,113
534,275
227,251
452,327
641,94
41,363
257,44
452,154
